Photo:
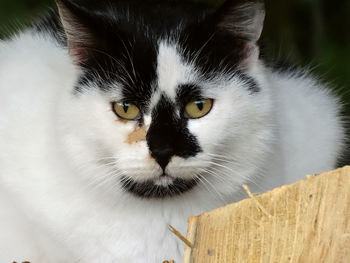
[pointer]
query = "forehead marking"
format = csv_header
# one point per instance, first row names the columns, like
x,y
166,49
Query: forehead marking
x,y
171,69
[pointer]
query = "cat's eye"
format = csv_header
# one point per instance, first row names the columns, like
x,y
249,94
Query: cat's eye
x,y
126,110
198,108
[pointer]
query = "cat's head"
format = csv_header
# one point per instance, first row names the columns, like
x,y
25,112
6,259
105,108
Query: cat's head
x,y
166,104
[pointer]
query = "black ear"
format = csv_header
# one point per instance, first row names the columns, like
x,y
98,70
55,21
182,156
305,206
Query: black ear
x,y
81,38
241,21
242,18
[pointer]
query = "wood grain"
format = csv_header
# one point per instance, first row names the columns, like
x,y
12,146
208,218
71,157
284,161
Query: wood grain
x,y
309,222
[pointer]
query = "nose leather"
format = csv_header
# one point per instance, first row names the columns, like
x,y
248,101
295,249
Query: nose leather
x,y
162,155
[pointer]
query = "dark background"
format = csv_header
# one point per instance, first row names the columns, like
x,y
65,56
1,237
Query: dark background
x,y
308,33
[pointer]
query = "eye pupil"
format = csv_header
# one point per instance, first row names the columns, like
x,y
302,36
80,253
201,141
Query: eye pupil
x,y
199,105
125,107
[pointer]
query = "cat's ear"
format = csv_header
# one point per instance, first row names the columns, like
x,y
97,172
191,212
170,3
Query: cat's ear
x,y
243,20
80,37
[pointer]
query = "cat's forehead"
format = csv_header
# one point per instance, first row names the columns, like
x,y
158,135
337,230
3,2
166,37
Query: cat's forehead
x,y
143,71
172,70
144,75
148,52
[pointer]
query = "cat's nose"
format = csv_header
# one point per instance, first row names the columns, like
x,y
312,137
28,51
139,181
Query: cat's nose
x,y
162,155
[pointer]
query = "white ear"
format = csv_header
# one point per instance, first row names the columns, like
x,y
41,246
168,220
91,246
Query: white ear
x,y
79,37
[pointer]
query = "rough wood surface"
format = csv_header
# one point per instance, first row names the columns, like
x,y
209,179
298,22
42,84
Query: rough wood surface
x,y
308,221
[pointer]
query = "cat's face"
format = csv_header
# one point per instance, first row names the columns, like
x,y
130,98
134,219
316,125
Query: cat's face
x,y
159,116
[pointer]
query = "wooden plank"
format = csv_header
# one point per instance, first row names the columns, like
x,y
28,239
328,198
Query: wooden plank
x,y
308,221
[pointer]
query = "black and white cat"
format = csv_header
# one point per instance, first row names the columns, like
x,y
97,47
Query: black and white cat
x,y
118,118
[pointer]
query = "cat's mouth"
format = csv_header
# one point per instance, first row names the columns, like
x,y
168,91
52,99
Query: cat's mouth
x,y
162,187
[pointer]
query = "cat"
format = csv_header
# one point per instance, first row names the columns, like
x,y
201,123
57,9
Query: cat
x,y
118,118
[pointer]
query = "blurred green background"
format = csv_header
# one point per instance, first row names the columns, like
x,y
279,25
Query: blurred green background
x,y
307,33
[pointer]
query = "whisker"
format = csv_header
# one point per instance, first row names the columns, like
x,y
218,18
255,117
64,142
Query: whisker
x,y
213,187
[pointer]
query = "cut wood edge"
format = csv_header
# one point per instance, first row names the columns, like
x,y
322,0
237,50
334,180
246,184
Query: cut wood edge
x,y
191,236
339,178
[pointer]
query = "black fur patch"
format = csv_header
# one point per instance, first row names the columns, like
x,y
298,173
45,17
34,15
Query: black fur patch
x,y
216,51
126,35
125,38
187,93
150,190
212,53
249,81
168,134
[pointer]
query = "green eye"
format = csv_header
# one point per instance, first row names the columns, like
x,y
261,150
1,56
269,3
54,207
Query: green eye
x,y
126,110
199,108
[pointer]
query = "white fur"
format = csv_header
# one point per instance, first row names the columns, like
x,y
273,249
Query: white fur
x,y
62,155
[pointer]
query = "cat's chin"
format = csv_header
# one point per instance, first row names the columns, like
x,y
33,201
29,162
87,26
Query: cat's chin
x,y
161,187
